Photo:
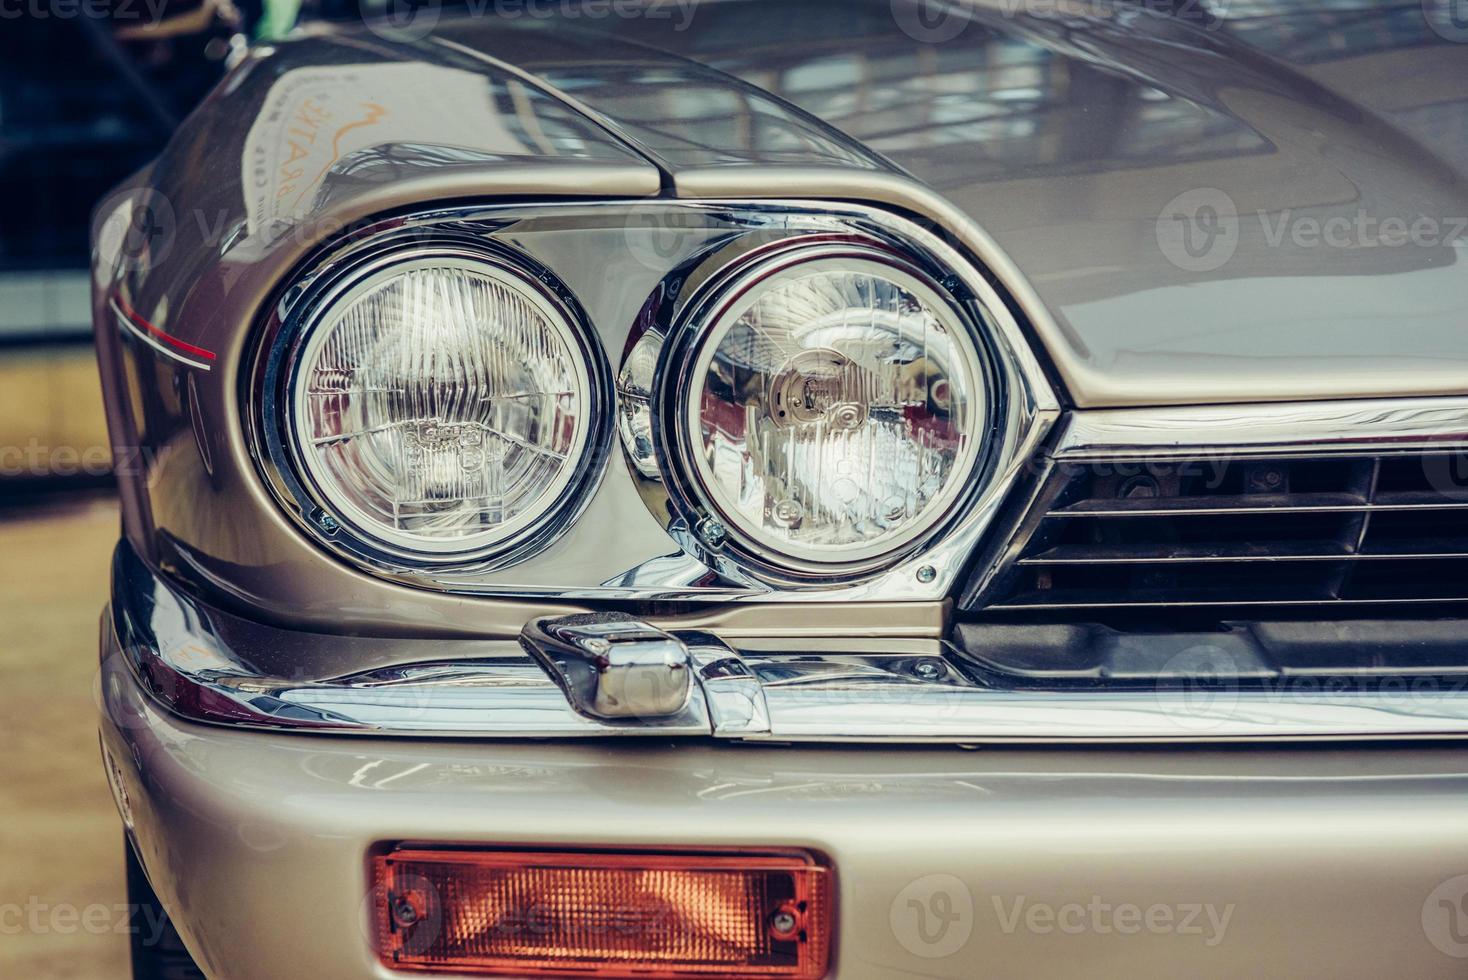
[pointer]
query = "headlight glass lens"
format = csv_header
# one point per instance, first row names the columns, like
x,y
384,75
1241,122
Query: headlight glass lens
x,y
440,406
838,408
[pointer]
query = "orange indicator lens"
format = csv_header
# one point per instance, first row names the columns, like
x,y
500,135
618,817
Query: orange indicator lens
x,y
602,915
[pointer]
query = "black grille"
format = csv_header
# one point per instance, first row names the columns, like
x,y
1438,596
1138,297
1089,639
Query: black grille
x,y
1258,531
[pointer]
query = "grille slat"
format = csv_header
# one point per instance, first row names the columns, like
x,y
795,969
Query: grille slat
x,y
1173,507
1103,555
1259,531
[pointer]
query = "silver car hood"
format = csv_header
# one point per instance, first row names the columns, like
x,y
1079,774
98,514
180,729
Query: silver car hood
x,y
1261,202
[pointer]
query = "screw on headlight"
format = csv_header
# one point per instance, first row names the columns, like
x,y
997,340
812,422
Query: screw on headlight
x,y
712,533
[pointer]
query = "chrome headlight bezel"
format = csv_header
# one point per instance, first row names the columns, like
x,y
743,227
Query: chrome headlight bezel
x,y
296,324
628,273
926,568
693,341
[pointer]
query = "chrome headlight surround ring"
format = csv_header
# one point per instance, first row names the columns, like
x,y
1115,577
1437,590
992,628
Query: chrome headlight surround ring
x,y
297,321
697,338
656,364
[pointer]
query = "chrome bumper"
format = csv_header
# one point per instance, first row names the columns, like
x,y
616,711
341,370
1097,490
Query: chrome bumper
x,y
1111,861
207,665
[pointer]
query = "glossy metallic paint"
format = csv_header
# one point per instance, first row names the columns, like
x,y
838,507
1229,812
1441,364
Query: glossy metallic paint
x,y
1326,856
1065,130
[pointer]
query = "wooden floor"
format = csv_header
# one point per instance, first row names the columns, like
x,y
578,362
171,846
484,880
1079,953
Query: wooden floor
x,y
61,890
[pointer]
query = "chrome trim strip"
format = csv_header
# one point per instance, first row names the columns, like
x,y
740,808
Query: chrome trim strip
x,y
918,697
887,691
177,650
811,714
1228,603
1273,429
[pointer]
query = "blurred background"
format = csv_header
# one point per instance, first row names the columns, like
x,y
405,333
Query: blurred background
x,y
89,92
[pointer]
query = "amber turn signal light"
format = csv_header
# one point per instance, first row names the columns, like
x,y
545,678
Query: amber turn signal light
x,y
523,913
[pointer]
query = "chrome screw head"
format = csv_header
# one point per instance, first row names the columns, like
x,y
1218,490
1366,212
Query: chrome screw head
x,y
712,533
783,923
926,574
927,670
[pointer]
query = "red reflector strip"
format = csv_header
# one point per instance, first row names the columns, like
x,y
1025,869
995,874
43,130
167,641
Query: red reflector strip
x,y
135,320
602,915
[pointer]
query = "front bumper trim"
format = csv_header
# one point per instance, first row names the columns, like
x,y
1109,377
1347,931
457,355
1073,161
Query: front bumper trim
x,y
207,665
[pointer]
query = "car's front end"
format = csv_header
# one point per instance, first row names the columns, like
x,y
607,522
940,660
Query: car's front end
x,y
586,515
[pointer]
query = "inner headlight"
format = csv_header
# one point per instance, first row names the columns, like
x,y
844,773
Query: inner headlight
x,y
440,406
838,407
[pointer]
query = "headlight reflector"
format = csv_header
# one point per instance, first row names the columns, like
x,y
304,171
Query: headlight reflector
x,y
440,406
837,408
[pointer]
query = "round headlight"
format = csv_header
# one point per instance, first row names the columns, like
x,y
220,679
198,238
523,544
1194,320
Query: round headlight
x,y
838,407
440,406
